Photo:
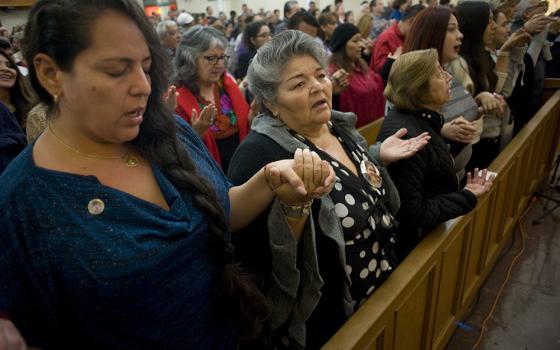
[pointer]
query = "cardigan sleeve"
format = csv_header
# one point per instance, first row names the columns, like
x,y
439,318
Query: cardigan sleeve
x,y
516,66
268,248
252,242
460,70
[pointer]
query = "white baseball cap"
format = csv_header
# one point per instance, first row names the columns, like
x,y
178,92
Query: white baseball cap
x,y
184,18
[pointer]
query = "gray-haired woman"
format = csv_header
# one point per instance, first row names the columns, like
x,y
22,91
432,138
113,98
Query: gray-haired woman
x,y
209,98
318,262
169,34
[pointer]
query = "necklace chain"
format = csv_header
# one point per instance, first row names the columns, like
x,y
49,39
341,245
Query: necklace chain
x,y
127,158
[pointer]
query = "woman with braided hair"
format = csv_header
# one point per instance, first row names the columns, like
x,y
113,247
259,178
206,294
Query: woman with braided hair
x,y
116,222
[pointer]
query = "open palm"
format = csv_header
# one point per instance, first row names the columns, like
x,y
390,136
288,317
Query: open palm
x,y
394,148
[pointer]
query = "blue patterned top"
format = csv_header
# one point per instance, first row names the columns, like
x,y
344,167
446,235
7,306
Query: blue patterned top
x,y
134,276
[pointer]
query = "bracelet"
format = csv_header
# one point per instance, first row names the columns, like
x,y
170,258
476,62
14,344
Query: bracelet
x,y
296,211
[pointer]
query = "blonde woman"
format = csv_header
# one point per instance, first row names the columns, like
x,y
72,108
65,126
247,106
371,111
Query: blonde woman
x,y
427,185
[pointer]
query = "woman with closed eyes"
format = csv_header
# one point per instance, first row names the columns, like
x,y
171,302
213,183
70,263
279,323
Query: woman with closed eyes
x,y
116,223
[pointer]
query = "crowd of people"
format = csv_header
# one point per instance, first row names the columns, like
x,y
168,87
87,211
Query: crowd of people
x,y
199,182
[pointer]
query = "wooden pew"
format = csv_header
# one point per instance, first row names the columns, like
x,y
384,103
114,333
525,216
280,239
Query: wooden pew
x,y
550,87
370,130
420,303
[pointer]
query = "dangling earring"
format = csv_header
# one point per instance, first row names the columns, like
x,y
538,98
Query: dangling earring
x,y
53,90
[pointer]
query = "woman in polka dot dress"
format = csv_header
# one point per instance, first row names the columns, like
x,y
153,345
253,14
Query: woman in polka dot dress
x,y
318,263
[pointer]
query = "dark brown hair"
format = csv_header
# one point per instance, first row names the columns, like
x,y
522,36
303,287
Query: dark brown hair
x,y
21,94
251,31
61,29
428,30
325,18
473,17
340,59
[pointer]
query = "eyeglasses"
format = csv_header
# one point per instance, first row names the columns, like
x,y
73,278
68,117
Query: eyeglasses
x,y
215,59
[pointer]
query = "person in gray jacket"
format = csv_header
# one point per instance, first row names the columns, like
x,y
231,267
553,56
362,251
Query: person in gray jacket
x,y
319,262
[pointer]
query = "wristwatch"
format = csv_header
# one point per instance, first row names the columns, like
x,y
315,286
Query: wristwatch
x,y
296,211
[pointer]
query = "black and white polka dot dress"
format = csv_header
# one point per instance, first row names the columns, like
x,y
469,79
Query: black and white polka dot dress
x,y
367,224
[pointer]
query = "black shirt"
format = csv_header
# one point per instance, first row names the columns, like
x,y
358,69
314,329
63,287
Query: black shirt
x,y
12,137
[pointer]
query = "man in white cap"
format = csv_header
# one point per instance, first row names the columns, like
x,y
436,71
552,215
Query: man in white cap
x,y
185,21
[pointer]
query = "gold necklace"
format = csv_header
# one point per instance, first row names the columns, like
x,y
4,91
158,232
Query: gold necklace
x,y
128,159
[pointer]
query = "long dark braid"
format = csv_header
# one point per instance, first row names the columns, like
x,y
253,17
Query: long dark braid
x,y
238,294
59,28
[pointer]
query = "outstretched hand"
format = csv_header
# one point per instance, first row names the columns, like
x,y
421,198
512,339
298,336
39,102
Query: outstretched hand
x,y
296,181
518,38
537,23
170,97
394,148
479,182
202,122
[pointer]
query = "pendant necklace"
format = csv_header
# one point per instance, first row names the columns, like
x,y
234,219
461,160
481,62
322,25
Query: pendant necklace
x,y
128,159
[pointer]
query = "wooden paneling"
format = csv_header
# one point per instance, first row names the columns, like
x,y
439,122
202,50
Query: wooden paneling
x,y
416,308
475,253
412,316
378,342
450,283
495,225
16,3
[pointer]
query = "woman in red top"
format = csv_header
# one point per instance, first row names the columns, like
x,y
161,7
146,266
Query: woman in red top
x,y
209,98
361,92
